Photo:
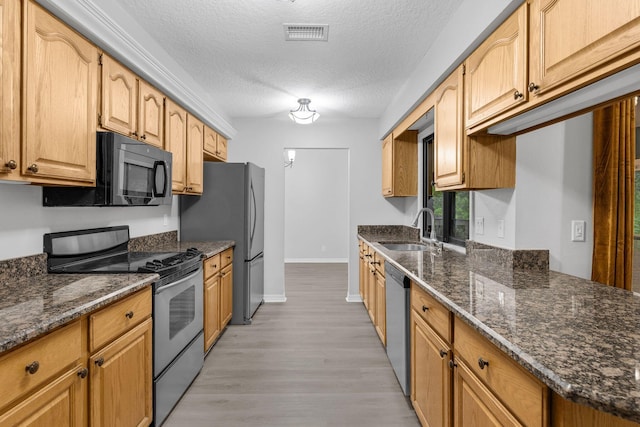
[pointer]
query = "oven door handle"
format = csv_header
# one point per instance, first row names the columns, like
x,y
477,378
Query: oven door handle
x,y
178,282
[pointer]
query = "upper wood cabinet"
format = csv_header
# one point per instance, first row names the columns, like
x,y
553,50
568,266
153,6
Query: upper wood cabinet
x,y
195,141
60,102
215,146
10,89
130,106
176,143
574,42
448,131
400,164
496,72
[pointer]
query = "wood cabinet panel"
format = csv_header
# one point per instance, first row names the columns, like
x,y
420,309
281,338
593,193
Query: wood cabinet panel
x,y
212,266
212,326
433,312
387,166
381,308
150,114
574,42
195,141
60,95
496,72
10,164
215,146
119,97
570,414
121,388
226,295
430,374
226,257
176,143
448,131
400,165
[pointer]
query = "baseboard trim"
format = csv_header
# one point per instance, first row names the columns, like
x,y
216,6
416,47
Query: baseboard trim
x,y
316,260
274,298
353,298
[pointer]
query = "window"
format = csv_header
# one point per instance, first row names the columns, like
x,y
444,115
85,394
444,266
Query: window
x,y
451,208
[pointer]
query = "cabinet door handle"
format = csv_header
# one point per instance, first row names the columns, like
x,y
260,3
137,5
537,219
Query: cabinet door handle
x,y
134,133
443,353
82,373
99,362
518,95
11,164
533,87
452,364
129,314
425,308
482,363
143,137
33,168
32,367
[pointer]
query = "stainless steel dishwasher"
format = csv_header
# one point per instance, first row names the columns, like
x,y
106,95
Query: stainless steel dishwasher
x,y
398,333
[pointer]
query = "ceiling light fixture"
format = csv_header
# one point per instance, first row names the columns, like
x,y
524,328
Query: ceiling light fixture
x,y
303,115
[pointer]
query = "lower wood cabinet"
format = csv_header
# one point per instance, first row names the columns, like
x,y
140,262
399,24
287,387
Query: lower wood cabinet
x,y
226,288
373,289
381,308
218,295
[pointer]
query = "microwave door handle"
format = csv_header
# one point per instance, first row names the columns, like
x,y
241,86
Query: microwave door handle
x,y
156,164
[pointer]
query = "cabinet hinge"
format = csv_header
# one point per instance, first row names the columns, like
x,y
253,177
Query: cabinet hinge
x,y
464,69
100,120
100,59
463,177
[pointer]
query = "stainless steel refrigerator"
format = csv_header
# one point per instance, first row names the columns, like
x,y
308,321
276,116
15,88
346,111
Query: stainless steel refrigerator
x,y
232,208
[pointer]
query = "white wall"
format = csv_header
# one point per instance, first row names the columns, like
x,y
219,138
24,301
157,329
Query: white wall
x,y
262,141
23,219
554,174
316,212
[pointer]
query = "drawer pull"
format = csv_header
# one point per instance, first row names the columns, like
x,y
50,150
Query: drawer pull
x,y
425,308
99,362
129,314
443,353
482,363
82,373
33,367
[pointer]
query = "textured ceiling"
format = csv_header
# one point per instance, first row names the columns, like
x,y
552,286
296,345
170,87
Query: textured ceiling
x,y
235,50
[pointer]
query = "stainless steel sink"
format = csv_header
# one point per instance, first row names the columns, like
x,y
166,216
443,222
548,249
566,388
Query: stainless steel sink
x,y
405,246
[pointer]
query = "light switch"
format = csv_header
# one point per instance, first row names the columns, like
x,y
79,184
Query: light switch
x,y
501,228
479,227
578,230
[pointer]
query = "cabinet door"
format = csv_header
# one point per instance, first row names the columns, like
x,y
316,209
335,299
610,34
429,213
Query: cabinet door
x,y
222,147
226,295
381,309
448,131
361,274
474,404
121,388
60,101
151,114
211,310
59,403
10,89
195,141
371,285
210,145
430,375
496,74
579,39
176,143
119,97
387,166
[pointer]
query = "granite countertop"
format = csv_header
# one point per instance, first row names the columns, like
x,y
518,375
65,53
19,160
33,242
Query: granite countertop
x,y
579,337
33,302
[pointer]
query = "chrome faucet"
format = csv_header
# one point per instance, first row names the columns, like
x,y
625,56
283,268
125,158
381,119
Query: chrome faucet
x,y
432,235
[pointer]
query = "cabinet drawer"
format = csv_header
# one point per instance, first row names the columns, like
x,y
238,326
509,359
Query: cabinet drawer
x,y
520,391
226,257
211,265
114,320
434,313
47,356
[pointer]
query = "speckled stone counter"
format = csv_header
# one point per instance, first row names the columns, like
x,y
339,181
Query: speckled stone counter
x,y
208,248
33,306
579,337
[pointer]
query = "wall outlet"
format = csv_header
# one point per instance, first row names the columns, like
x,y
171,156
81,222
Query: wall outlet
x,y
479,225
165,219
501,228
578,230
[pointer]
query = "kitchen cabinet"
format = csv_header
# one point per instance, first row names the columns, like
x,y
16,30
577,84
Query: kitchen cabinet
x,y
129,105
381,309
362,266
59,89
598,38
44,382
10,16
570,414
184,139
430,374
495,80
226,287
400,164
215,146
212,326
120,364
464,162
371,288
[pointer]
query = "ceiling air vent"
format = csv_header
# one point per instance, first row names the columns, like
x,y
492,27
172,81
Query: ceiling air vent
x,y
306,32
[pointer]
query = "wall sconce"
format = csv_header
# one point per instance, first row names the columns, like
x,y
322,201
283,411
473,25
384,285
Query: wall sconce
x,y
303,115
291,156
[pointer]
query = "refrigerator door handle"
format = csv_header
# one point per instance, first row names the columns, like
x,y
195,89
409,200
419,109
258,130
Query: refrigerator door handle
x,y
254,215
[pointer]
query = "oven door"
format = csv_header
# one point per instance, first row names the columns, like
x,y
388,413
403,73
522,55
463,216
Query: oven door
x,y
177,318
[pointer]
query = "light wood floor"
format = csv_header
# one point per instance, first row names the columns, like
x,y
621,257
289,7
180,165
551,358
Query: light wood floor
x,y
313,361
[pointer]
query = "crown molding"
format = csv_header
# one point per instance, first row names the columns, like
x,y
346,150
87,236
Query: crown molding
x,y
129,44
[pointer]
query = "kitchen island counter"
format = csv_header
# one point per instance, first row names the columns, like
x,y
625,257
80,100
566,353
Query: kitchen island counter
x,y
580,338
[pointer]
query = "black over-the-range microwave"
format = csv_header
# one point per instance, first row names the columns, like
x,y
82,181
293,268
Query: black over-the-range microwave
x,y
128,173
